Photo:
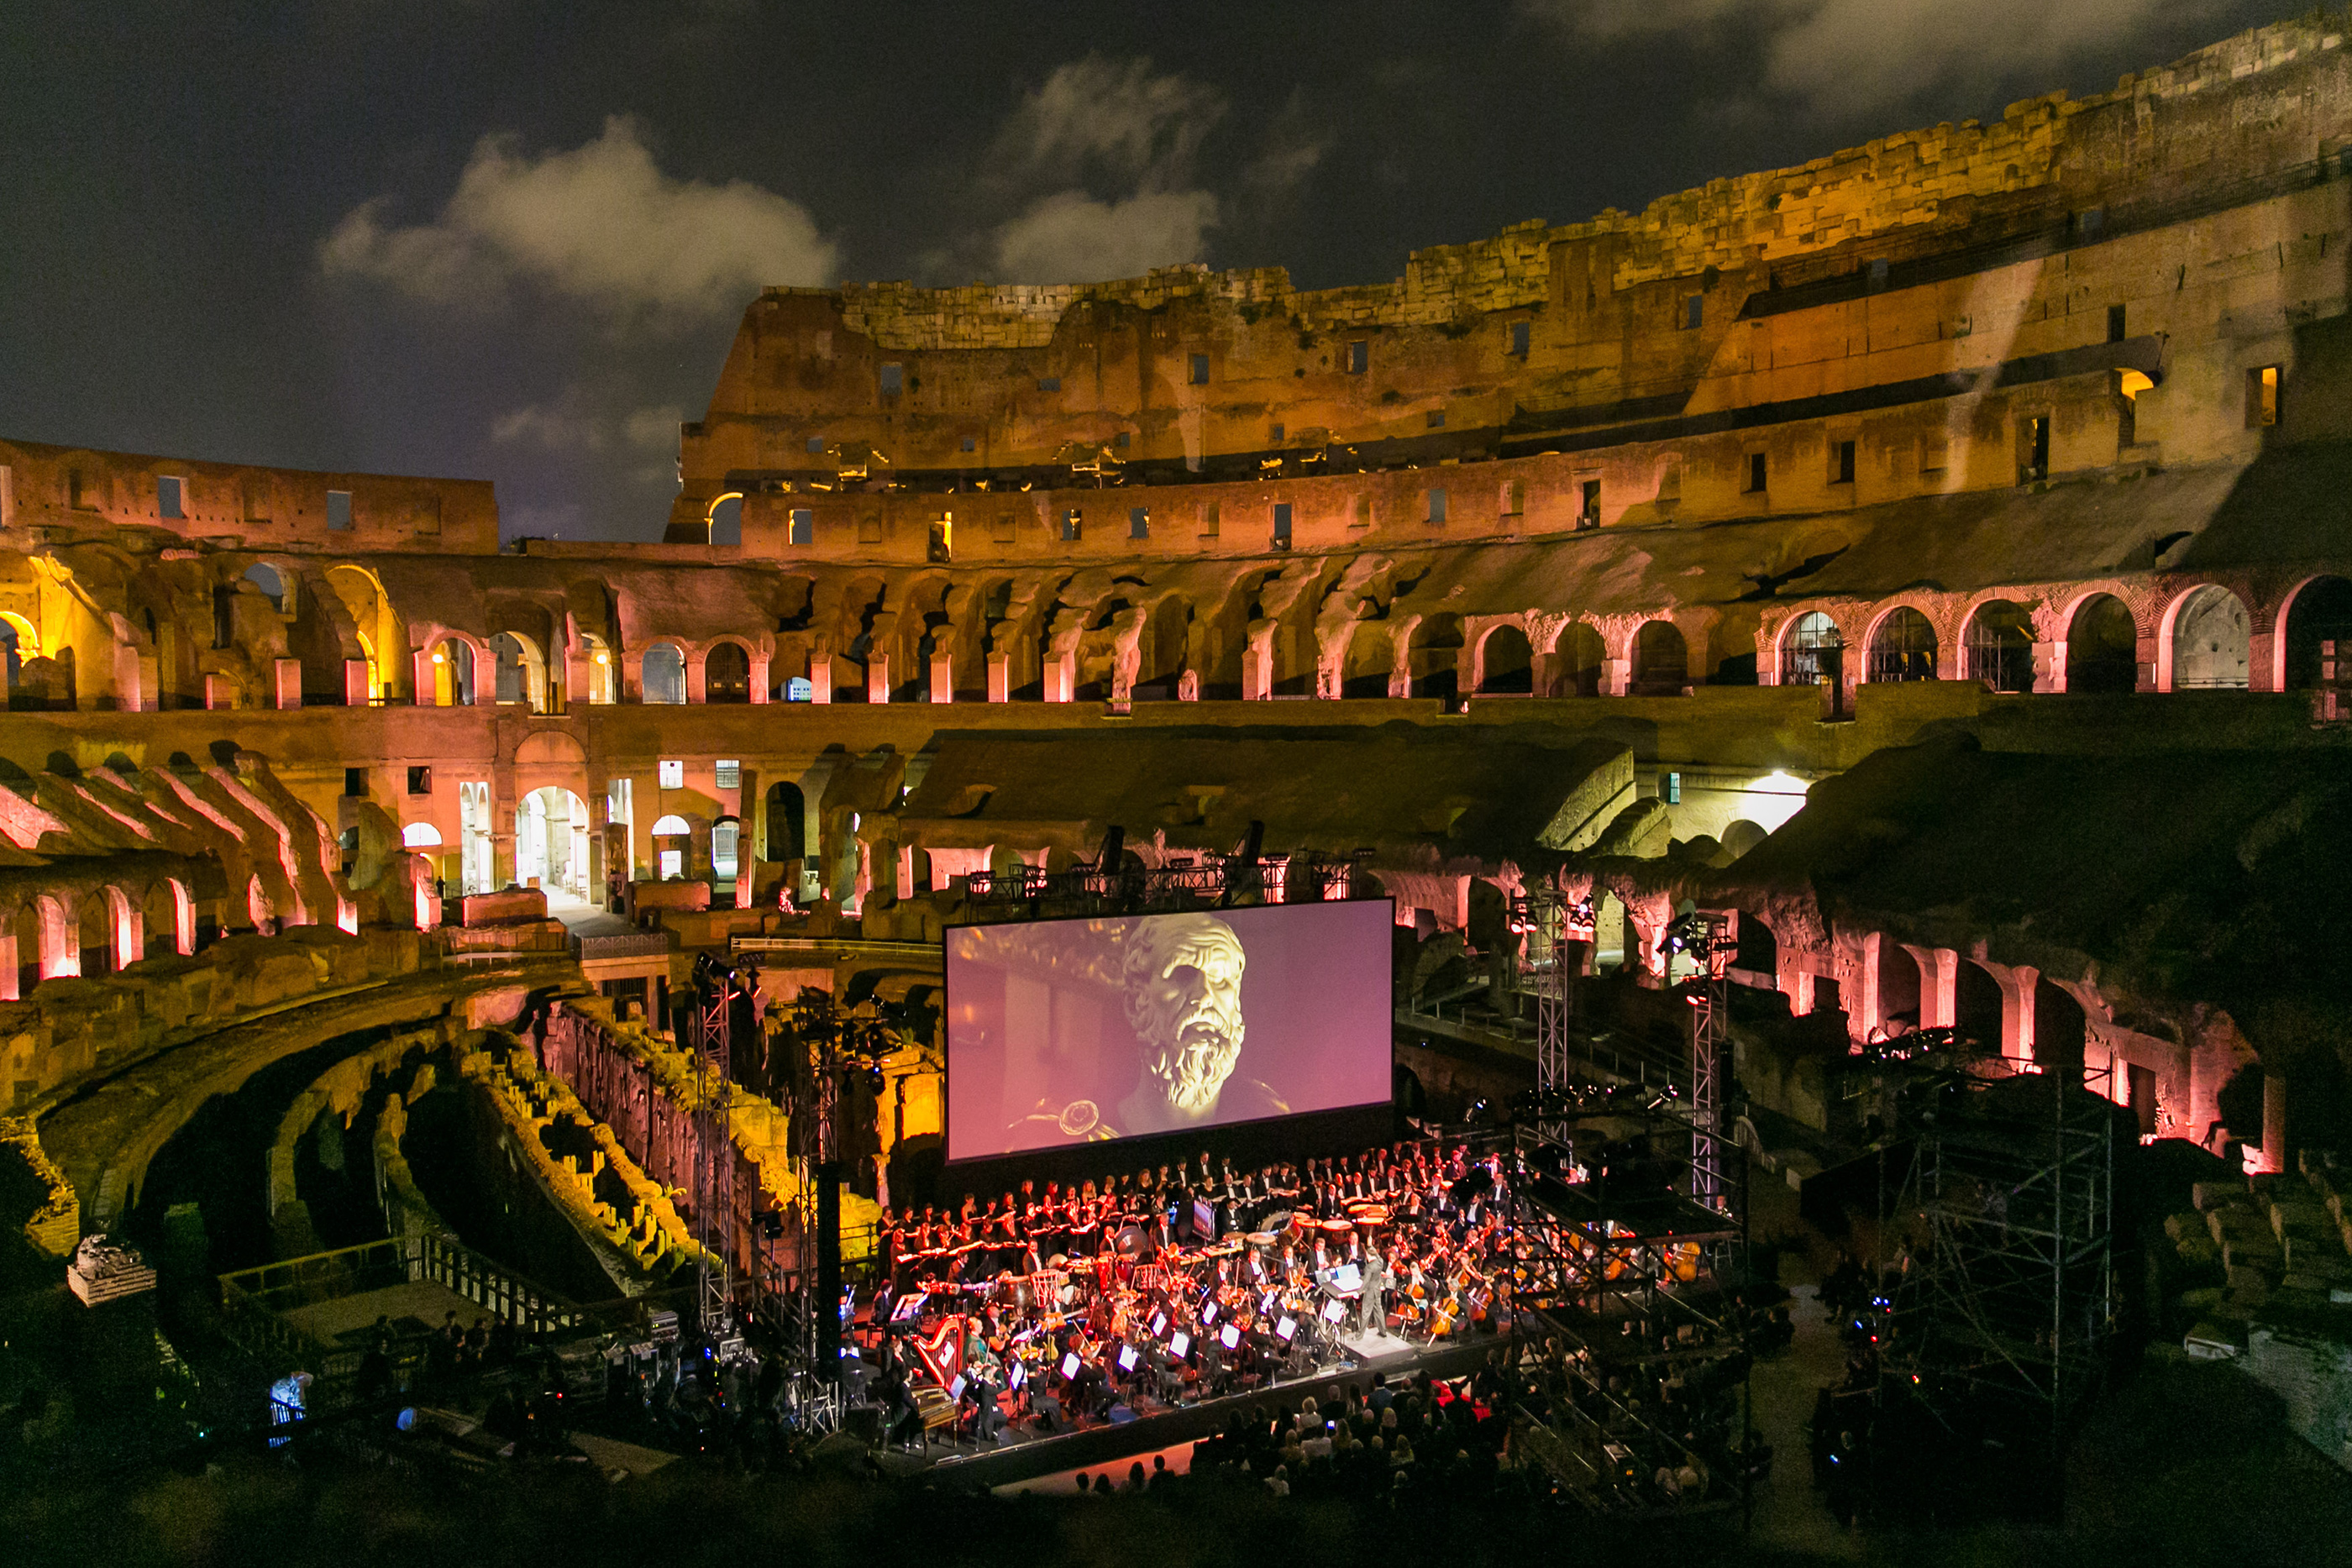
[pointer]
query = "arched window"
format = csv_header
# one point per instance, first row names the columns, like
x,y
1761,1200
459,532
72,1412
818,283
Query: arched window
x,y
1435,648
453,674
664,674
1579,660
272,583
726,838
599,667
96,936
787,822
2211,637
2319,612
1506,661
727,520
1999,645
1661,660
420,836
671,840
1812,650
165,917
726,675
1903,647
2102,647
514,674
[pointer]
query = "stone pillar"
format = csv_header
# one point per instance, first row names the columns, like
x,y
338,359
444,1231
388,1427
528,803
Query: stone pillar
x,y
8,963
1796,985
220,693
420,688
821,678
942,678
1940,980
138,682
1062,677
697,688
2017,1012
2143,651
1257,665
877,678
355,683
2274,1151
286,684
1616,677
1862,1012
2050,666
761,665
2262,649
1188,686
1000,677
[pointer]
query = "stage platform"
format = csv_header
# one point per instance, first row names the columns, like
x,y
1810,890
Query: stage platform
x,y
417,1307
1027,1454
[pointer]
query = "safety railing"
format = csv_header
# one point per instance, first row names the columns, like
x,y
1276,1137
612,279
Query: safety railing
x,y
256,1301
627,945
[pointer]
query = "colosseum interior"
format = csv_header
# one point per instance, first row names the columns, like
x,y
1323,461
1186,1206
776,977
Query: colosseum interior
x,y
1928,567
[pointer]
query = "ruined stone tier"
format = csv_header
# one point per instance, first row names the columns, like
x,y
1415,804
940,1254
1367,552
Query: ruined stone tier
x,y
2196,202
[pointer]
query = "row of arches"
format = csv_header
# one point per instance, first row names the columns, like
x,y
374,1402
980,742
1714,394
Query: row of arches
x,y
94,932
948,641
1886,988
2202,638
2204,635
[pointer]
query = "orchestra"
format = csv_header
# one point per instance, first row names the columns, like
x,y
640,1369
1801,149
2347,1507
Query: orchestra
x,y
1196,1279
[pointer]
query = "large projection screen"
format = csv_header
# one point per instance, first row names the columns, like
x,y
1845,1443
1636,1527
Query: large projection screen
x,y
1071,1031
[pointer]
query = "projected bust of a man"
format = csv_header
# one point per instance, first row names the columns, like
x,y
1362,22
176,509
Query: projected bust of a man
x,y
1182,980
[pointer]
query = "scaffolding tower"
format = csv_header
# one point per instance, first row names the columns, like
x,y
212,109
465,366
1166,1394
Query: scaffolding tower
x,y
1707,938
1592,1264
715,991
2001,1316
1554,923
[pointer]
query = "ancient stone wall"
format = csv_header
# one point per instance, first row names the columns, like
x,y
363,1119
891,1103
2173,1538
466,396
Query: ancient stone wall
x,y
1493,340
56,494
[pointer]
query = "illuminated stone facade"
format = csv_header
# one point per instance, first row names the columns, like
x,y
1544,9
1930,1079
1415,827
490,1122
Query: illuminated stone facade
x,y
1961,428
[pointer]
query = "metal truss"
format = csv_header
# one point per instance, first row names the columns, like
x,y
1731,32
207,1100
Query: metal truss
x,y
1585,1265
1552,924
712,1020
2002,1316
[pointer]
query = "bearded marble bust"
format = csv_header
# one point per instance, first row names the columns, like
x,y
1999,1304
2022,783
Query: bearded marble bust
x,y
1182,984
1176,981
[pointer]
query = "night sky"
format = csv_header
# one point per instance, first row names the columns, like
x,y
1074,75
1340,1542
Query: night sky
x,y
508,240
